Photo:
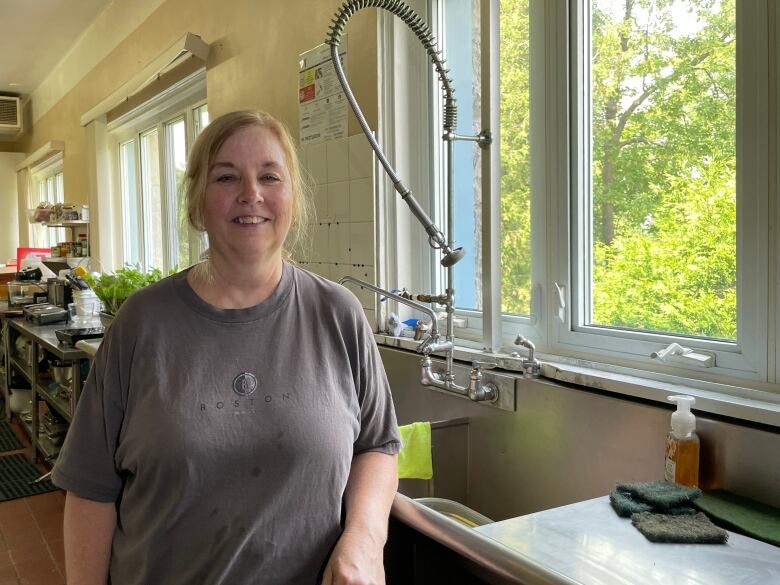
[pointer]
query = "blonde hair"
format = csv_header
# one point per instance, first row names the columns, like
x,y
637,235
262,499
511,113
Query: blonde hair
x,y
204,152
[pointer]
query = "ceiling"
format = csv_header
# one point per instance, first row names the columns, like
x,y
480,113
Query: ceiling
x,y
36,34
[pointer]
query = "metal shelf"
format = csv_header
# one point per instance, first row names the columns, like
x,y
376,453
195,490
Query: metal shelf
x,y
65,224
22,369
60,405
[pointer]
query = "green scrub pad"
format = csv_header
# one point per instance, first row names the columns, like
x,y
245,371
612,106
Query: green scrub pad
x,y
687,529
742,515
414,460
655,496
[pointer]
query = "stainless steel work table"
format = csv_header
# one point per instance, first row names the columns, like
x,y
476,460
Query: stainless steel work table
x,y
588,543
44,337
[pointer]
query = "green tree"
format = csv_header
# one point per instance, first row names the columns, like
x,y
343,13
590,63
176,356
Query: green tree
x,y
663,164
515,159
664,167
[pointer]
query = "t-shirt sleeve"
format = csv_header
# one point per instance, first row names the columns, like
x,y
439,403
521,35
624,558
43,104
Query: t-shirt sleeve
x,y
86,463
378,425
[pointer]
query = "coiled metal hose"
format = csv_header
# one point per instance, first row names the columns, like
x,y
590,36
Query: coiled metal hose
x,y
436,239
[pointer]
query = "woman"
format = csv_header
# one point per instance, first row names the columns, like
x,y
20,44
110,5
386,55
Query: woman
x,y
235,408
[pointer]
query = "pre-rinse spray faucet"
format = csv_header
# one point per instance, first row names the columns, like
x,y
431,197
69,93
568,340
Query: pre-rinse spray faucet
x,y
436,238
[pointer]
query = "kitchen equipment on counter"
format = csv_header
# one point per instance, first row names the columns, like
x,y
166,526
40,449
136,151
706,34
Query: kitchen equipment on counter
x,y
58,292
21,293
31,274
71,336
44,313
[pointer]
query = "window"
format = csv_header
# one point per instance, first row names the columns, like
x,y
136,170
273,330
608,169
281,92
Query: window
x,y
151,149
630,175
47,181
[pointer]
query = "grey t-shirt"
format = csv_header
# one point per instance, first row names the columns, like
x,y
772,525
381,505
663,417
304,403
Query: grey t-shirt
x,y
225,437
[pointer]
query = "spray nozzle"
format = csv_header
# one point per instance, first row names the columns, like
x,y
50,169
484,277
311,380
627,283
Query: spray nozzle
x,y
683,421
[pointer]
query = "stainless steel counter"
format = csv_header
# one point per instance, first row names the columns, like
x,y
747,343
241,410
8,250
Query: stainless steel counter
x,y
44,334
587,543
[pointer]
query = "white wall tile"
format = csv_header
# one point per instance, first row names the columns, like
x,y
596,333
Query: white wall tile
x,y
338,246
366,297
361,157
338,201
320,248
317,162
338,160
361,200
303,156
337,271
361,243
320,198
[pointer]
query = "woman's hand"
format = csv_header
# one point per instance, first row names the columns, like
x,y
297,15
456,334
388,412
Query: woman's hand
x,y
356,560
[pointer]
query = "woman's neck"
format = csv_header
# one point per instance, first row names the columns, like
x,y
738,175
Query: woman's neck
x,y
230,285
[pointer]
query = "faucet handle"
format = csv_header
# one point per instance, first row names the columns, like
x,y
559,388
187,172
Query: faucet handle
x,y
477,365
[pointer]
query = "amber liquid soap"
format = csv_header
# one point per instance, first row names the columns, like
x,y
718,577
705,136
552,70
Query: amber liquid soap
x,y
682,445
682,460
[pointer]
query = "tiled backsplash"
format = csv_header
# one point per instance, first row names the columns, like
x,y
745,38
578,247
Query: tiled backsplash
x,y
342,235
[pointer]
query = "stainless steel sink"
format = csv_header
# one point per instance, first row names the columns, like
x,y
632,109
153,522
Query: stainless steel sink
x,y
455,511
500,564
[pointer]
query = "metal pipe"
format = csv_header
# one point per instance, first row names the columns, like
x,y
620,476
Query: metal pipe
x,y
404,301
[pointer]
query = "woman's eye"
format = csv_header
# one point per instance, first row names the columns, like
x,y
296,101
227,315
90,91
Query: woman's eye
x,y
270,178
225,178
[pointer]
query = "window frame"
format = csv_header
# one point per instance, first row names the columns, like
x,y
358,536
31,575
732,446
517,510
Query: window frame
x,y
47,174
749,367
744,359
180,101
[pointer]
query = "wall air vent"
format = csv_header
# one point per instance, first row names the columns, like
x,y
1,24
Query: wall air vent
x,y
10,115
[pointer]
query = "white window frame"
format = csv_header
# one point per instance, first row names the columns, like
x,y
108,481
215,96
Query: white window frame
x,y
177,102
747,358
49,170
749,368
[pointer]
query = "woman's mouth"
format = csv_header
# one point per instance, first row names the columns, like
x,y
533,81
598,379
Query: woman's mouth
x,y
250,219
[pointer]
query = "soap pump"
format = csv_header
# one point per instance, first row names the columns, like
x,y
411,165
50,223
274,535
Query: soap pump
x,y
682,444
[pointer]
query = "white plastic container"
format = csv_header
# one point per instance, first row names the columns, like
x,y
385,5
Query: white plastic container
x,y
87,303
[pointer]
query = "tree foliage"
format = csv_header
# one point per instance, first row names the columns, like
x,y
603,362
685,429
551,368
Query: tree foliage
x,y
663,93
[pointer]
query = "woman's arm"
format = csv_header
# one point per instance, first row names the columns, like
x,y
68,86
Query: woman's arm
x,y
88,529
358,556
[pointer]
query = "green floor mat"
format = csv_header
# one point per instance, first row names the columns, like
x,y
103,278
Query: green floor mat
x,y
16,475
8,439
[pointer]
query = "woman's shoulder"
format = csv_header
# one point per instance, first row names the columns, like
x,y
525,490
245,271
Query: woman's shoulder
x,y
323,291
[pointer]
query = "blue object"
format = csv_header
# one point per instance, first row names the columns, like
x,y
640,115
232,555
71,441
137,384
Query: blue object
x,y
411,322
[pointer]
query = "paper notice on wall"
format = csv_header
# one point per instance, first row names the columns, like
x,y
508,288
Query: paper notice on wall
x,y
322,104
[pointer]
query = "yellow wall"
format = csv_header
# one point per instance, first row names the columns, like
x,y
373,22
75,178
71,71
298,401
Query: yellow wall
x,y
253,64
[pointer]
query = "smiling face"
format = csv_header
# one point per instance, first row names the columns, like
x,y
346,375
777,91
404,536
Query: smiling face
x,y
248,197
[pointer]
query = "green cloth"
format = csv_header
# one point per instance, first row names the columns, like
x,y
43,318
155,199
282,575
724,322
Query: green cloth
x,y
414,460
660,497
742,515
687,529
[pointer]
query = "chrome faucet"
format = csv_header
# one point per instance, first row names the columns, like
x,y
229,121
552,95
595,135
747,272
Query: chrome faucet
x,y
531,366
476,391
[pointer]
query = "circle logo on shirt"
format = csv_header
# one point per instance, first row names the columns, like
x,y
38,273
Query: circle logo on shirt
x,y
244,384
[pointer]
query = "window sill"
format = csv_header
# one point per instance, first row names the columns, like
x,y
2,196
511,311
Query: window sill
x,y
749,405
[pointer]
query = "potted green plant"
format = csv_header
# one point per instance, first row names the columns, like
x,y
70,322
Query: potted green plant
x,y
114,288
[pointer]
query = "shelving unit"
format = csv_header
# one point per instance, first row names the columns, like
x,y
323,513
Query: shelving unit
x,y
57,263
44,342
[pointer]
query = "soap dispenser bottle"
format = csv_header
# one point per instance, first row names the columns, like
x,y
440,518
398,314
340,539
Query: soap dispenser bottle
x,y
682,445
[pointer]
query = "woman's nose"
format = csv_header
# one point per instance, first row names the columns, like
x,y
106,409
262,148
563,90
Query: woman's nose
x,y
251,192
